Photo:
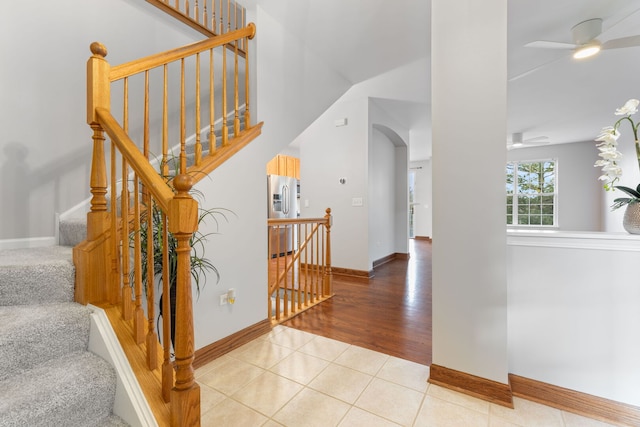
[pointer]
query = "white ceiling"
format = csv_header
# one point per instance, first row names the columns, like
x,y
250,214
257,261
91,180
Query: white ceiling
x,y
549,93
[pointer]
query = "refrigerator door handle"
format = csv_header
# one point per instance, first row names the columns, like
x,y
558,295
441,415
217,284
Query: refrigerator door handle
x,y
285,199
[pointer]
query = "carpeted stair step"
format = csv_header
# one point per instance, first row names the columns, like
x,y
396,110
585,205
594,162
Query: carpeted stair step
x,y
73,231
31,335
36,275
74,390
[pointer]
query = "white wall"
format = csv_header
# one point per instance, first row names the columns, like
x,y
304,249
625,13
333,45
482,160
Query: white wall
x,y
328,153
579,191
293,86
574,312
381,196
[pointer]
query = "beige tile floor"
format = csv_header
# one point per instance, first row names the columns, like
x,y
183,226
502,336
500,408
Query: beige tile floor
x,y
297,379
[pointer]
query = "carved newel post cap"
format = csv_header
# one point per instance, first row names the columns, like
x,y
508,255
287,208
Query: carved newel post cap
x,y
98,49
183,183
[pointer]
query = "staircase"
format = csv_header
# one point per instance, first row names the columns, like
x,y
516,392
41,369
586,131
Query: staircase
x,y
49,377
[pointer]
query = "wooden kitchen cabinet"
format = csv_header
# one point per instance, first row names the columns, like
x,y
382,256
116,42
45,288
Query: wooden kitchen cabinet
x,y
284,165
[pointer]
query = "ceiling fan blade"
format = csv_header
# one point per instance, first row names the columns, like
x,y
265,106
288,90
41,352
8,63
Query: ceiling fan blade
x,y
622,42
550,45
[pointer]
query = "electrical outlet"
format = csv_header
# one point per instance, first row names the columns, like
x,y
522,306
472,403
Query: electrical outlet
x,y
223,299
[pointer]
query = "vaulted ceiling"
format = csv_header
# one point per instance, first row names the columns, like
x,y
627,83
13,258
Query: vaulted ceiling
x,y
549,93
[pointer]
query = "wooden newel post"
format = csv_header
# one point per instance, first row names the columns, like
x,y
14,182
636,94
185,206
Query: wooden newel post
x,y
183,222
91,256
328,275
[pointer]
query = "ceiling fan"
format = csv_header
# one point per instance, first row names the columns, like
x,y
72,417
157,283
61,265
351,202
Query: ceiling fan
x,y
517,141
585,43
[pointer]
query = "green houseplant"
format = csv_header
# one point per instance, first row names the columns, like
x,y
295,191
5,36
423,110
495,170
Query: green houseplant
x,y
152,221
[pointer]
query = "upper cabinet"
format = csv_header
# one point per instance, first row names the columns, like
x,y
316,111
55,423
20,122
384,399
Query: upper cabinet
x,y
284,165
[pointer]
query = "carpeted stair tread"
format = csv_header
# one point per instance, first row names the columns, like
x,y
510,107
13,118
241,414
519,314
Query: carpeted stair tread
x,y
31,335
112,421
36,275
74,390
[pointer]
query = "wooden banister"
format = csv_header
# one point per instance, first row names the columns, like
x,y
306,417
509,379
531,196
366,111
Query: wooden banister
x,y
299,278
110,264
147,63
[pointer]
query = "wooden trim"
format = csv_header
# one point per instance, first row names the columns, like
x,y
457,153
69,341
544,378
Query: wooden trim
x,y
573,401
233,341
472,385
390,257
422,238
349,272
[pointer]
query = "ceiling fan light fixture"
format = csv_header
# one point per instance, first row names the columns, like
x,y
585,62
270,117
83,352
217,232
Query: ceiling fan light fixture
x,y
587,50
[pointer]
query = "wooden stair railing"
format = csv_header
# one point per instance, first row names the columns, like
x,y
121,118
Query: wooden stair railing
x,y
300,274
133,178
209,17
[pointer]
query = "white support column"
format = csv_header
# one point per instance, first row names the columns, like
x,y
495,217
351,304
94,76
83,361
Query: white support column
x,y
469,83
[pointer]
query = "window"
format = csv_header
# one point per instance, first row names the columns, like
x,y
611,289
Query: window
x,y
531,193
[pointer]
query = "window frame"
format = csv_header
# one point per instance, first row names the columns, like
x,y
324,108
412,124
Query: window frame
x,y
514,211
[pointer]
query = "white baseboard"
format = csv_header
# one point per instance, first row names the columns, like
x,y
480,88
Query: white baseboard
x,y
29,242
130,403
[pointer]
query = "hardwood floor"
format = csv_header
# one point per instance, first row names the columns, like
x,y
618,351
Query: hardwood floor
x,y
391,313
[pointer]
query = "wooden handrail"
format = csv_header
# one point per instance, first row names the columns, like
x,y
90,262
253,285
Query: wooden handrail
x,y
135,159
152,61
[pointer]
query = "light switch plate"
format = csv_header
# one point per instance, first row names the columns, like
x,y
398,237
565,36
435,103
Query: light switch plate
x,y
356,201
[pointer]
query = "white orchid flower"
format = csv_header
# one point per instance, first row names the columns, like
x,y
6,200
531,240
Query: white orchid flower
x,y
608,135
630,107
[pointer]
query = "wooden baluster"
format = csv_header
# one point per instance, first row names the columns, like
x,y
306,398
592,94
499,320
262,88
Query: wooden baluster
x,y
167,366
276,230
228,16
124,202
138,313
306,267
114,292
214,22
299,268
165,124
247,116
212,106
236,111
221,19
198,146
225,130
286,281
205,16
183,222
318,264
196,12
186,8
328,275
244,24
183,122
152,336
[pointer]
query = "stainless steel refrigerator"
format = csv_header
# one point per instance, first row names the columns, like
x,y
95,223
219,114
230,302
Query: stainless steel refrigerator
x,y
282,203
